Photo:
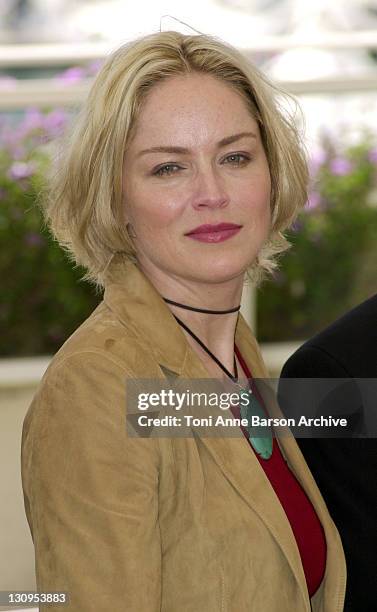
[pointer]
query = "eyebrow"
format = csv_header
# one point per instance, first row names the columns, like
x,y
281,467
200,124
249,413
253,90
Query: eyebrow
x,y
222,143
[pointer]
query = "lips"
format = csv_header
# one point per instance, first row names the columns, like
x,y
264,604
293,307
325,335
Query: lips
x,y
210,229
213,234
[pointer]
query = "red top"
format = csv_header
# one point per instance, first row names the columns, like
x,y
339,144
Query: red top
x,y
304,521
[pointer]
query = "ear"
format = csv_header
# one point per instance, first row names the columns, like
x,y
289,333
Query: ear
x,y
130,230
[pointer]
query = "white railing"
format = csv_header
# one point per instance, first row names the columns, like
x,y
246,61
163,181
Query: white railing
x,y
51,54
48,92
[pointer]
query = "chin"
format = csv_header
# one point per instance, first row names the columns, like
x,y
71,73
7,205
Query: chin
x,y
217,272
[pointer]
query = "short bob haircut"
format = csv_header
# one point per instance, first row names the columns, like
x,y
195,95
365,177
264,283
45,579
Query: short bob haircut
x,y
83,203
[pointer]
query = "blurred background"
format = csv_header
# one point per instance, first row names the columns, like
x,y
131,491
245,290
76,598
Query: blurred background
x,y
50,50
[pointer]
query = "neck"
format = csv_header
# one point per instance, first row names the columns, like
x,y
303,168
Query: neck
x,y
216,331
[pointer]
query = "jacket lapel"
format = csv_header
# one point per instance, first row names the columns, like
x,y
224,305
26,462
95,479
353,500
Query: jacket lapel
x,y
136,302
239,464
335,563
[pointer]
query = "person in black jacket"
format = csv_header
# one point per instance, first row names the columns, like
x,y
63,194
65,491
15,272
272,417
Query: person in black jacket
x,y
346,468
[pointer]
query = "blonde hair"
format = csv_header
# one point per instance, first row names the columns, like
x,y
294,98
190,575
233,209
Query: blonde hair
x,y
83,200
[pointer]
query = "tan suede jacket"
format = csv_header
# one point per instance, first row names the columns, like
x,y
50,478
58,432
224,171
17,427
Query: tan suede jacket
x,y
131,524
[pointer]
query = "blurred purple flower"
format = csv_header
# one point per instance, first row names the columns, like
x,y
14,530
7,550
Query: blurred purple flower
x,y
94,67
33,120
314,201
21,170
296,226
340,166
55,122
33,239
372,155
9,136
18,152
316,160
71,75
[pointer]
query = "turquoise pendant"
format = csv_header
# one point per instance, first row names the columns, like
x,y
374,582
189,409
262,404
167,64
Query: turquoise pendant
x,y
260,437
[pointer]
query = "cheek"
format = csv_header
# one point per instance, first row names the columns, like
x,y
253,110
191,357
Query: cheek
x,y
163,214
266,208
152,209
264,199
258,203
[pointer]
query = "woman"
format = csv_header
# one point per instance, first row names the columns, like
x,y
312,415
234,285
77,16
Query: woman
x,y
180,177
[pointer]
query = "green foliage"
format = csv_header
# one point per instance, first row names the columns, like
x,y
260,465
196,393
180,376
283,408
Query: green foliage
x,y
332,265
42,299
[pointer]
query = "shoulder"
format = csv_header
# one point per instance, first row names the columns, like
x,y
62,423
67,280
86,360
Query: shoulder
x,y
347,347
358,326
87,377
105,342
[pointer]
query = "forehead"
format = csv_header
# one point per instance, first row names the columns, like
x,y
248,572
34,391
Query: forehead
x,y
190,107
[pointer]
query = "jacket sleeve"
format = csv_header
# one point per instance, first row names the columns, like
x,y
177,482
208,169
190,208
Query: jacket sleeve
x,y
91,491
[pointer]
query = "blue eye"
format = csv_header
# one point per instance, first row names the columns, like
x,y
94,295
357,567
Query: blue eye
x,y
238,158
165,170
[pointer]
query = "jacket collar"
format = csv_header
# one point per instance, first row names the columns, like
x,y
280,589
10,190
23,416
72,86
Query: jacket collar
x,y
137,303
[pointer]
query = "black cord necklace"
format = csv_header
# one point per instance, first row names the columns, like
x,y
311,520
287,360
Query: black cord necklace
x,y
199,341
263,446
202,309
224,369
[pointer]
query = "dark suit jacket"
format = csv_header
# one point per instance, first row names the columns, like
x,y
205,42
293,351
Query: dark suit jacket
x,y
346,469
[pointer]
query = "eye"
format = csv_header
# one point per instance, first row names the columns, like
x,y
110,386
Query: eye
x,y
166,170
238,159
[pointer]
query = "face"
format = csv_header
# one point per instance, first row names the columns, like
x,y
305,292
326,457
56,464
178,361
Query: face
x,y
196,159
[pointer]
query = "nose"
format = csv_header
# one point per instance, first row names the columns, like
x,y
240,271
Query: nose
x,y
209,190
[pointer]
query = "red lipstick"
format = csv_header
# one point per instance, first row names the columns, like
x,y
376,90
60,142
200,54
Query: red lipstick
x,y
214,233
